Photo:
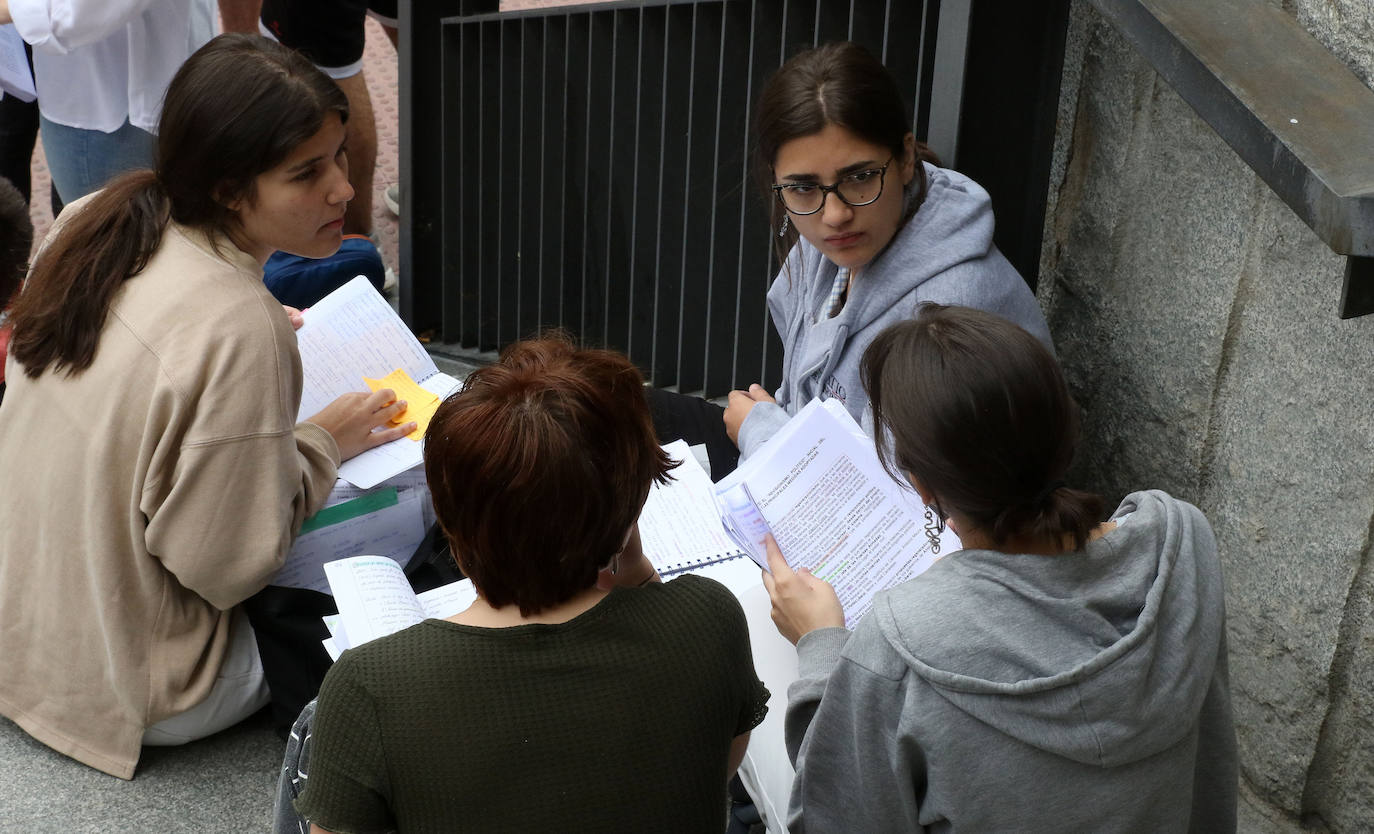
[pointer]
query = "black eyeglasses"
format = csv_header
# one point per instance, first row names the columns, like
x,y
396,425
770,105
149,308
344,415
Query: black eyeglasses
x,y
857,189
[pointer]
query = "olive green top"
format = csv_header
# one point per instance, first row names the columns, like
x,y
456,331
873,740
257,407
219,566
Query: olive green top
x,y
619,719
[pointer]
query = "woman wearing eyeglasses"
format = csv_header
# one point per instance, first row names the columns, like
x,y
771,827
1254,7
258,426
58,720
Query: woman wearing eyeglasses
x,y
869,227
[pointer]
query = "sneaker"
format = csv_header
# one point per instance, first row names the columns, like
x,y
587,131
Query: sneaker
x,y
392,198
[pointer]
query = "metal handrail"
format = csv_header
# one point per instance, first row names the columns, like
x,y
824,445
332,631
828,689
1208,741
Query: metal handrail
x,y
1287,106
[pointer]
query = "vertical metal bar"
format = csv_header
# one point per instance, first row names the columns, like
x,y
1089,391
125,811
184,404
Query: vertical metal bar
x,y
634,191
586,174
743,197
609,258
563,189
887,32
519,150
543,163
658,209
687,186
500,165
481,158
849,33
715,189
947,87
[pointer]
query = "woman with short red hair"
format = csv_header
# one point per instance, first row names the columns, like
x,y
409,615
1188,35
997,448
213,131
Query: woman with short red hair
x,y
561,700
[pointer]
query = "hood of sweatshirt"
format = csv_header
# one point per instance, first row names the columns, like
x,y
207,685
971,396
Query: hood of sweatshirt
x,y
943,253
1102,656
953,224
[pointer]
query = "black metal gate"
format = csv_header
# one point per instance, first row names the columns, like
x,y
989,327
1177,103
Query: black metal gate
x,y
587,167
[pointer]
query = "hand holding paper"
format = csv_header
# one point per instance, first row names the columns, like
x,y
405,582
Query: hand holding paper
x,y
802,603
359,421
420,404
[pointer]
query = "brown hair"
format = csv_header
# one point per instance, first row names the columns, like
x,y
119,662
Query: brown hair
x,y
976,410
235,109
16,239
836,83
539,466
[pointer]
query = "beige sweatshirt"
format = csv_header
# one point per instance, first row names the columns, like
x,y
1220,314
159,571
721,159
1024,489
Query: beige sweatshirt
x,y
143,498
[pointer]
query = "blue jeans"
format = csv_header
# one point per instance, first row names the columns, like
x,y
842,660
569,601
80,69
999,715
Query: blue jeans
x,y
82,161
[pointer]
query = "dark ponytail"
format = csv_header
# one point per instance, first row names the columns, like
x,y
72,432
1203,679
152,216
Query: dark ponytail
x,y
976,410
237,108
59,316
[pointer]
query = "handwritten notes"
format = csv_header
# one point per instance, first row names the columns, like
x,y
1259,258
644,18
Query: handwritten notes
x,y
353,334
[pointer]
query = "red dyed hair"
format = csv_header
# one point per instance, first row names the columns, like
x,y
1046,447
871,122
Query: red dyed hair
x,y
538,468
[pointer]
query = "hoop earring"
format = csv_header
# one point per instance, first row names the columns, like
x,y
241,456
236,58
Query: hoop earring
x,y
786,221
934,527
615,564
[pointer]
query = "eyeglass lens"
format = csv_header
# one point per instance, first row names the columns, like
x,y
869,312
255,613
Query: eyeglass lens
x,y
856,189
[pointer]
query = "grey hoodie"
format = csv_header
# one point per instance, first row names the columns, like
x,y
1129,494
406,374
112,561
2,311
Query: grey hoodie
x,y
944,253
1009,692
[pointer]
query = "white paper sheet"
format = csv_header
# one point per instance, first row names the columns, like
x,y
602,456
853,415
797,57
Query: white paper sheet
x,y
446,600
834,509
680,525
375,599
15,78
394,532
411,479
350,334
738,573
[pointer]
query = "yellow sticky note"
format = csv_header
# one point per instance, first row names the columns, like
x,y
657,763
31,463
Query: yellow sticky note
x,y
420,404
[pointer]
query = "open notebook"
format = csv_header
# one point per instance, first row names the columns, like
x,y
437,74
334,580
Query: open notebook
x,y
680,525
351,336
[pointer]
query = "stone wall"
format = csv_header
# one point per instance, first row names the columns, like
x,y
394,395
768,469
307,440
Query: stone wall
x,y
1196,319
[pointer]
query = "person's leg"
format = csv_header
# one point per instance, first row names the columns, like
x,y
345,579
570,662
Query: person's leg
x,y
239,691
386,12
362,153
240,15
295,770
682,417
18,130
82,161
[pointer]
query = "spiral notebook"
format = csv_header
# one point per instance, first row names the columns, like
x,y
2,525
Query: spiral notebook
x,y
680,525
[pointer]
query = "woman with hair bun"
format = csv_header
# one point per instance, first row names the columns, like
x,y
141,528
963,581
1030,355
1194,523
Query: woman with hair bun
x,y
1057,674
156,471
869,227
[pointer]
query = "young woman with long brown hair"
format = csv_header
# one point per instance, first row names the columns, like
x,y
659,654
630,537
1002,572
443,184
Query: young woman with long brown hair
x,y
155,472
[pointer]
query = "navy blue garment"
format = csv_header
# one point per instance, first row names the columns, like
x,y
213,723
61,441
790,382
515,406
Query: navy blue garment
x,y
301,282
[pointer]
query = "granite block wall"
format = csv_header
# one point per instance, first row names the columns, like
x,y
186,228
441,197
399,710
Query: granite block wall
x,y
1196,319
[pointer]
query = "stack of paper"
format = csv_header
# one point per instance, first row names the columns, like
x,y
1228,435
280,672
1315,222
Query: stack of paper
x,y
390,520
353,335
834,509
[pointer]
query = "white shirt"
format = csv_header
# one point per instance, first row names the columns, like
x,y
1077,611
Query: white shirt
x,y
98,62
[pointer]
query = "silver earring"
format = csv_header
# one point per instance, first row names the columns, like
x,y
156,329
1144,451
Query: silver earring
x,y
615,564
786,221
933,530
